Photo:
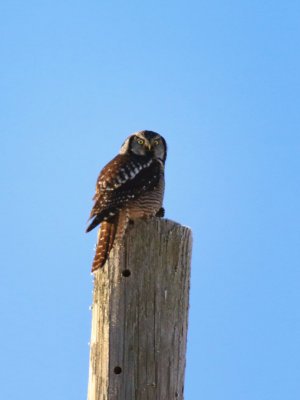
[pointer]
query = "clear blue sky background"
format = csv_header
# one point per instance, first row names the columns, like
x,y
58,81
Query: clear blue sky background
x,y
220,80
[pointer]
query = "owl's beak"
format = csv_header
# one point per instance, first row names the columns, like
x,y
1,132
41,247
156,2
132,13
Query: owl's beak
x,y
149,146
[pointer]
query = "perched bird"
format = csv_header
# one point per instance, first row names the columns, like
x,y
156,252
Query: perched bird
x,y
129,187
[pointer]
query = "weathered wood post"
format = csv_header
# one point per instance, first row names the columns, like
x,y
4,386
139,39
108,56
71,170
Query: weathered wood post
x,y
140,315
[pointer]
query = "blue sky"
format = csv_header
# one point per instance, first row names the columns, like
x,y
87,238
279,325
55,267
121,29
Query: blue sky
x,y
220,81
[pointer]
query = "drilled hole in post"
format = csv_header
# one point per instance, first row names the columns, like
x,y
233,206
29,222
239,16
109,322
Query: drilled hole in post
x,y
126,273
117,370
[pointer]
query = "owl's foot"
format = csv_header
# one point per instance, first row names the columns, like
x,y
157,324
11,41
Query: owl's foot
x,y
160,213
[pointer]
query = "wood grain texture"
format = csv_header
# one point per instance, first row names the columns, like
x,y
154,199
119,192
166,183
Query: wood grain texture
x,y
139,322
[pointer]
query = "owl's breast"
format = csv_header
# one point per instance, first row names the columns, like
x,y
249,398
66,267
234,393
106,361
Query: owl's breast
x,y
149,202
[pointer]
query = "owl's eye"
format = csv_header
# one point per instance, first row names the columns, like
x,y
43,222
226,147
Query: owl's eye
x,y
140,141
155,142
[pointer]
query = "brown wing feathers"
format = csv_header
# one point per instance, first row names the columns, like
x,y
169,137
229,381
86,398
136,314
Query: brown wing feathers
x,y
120,181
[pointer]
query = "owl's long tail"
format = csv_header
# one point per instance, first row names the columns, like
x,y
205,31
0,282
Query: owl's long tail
x,y
106,237
110,232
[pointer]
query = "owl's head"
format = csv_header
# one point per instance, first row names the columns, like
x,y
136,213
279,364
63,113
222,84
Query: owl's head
x,y
146,143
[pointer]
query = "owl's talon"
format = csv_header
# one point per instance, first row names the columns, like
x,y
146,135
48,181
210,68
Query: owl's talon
x,y
160,213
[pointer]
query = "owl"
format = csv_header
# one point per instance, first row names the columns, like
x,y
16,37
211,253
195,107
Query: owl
x,y
129,187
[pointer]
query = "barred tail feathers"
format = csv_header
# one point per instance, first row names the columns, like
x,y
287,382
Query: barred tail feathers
x,y
109,232
106,237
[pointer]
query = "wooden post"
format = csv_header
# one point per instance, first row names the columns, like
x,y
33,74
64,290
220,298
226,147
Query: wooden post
x,y
140,315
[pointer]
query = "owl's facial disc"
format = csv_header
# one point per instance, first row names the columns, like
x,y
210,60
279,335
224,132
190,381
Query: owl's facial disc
x,y
143,142
146,143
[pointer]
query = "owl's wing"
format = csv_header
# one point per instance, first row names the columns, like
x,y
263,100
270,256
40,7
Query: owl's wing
x,y
126,177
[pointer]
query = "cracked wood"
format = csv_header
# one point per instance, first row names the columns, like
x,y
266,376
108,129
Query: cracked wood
x,y
140,315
